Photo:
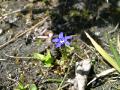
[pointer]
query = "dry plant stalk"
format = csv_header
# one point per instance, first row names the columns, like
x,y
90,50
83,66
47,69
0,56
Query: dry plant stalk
x,y
102,74
23,33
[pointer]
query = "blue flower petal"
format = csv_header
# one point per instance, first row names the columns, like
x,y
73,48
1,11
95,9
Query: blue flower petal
x,y
67,43
68,37
55,40
61,40
58,45
61,35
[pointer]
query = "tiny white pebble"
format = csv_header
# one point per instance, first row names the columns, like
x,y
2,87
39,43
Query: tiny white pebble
x,y
50,34
97,33
35,64
1,30
9,75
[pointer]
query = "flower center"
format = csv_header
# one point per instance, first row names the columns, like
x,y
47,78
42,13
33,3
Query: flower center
x,y
62,41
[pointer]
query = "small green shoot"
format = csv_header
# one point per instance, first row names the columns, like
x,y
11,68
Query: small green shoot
x,y
46,59
26,87
32,87
74,13
105,55
21,86
66,52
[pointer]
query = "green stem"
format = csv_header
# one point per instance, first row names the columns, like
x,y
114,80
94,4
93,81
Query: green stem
x,y
52,80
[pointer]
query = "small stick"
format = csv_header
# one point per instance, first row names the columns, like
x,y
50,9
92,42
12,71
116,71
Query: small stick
x,y
11,79
43,37
78,56
104,73
52,80
18,57
16,11
60,86
2,59
110,32
3,16
22,33
67,84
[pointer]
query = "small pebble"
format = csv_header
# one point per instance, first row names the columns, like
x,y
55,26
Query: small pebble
x,y
97,33
1,31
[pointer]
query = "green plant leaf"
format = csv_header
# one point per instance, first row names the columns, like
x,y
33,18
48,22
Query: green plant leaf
x,y
69,49
20,86
74,13
48,56
32,87
48,59
115,53
105,55
39,56
47,65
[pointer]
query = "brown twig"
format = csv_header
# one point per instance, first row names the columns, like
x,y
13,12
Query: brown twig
x,y
2,17
22,33
18,57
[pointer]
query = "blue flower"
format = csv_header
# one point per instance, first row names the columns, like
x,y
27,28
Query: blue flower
x,y
61,40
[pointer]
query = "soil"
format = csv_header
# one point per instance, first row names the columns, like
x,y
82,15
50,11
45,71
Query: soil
x,y
28,14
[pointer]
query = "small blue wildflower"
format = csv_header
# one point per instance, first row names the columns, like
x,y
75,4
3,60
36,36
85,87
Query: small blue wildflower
x,y
61,40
